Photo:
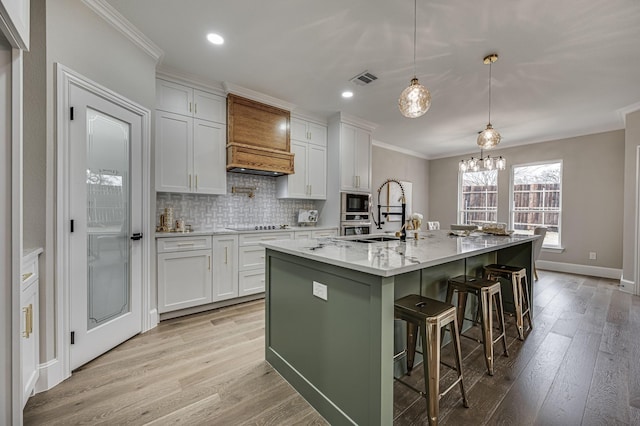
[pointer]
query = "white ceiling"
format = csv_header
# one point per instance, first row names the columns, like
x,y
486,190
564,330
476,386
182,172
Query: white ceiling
x,y
566,68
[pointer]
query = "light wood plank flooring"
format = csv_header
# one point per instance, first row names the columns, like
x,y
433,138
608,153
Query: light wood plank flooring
x,y
579,365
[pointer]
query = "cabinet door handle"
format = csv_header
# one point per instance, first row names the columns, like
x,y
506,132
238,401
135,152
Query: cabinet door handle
x,y
189,106
196,182
226,255
209,257
28,321
189,182
195,108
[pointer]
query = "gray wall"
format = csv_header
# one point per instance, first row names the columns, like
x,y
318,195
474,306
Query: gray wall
x,y
592,193
79,39
632,141
386,164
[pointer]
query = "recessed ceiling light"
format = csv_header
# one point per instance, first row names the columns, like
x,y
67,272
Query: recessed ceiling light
x,y
215,38
347,94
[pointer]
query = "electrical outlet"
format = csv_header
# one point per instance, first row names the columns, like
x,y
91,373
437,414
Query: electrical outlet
x,y
592,255
320,290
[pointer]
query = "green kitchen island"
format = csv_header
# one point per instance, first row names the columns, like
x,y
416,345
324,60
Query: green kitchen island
x,y
329,310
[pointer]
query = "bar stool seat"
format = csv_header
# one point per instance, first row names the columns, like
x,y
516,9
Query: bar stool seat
x,y
430,316
489,294
518,278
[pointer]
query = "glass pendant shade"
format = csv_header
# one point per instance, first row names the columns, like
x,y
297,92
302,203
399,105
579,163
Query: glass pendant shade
x,y
501,163
415,100
487,163
488,138
462,166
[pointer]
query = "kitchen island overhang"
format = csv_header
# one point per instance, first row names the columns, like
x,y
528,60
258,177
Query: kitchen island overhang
x,y
336,347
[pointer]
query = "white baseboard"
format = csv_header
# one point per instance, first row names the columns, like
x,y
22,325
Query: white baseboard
x,y
628,286
573,268
153,320
50,374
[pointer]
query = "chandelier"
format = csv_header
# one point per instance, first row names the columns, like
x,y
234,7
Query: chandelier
x,y
489,137
415,100
483,163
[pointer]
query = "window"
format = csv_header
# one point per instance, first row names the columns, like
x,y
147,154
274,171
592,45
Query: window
x,y
478,200
536,200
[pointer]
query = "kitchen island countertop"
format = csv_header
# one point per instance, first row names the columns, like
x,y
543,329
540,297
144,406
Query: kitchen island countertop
x,y
396,257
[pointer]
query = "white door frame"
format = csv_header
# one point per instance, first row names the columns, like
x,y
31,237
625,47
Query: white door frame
x,y
65,77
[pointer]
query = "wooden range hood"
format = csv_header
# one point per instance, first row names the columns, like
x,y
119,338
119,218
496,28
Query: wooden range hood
x,y
257,138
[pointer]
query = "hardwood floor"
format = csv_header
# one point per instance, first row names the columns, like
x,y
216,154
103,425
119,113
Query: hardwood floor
x,y
579,365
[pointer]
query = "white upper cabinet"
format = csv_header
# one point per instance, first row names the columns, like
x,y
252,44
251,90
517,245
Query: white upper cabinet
x,y
309,146
209,157
355,158
191,138
190,155
308,131
184,100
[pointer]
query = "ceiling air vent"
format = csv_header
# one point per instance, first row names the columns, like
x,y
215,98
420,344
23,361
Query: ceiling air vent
x,y
364,78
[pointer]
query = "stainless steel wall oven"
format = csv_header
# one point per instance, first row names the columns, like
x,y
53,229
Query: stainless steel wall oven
x,y
355,213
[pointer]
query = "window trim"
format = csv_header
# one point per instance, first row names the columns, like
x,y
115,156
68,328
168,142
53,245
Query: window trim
x,y
461,197
548,247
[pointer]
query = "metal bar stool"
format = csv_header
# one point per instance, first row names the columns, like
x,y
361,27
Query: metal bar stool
x,y
518,277
488,293
430,316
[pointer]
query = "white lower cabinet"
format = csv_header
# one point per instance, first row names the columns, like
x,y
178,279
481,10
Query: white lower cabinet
x,y
184,274
225,267
251,282
199,270
29,347
251,256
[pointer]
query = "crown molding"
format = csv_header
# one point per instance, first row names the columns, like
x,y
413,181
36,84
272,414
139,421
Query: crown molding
x,y
191,80
257,96
120,23
623,112
354,121
399,149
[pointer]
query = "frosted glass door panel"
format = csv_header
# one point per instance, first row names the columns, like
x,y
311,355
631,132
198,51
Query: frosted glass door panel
x,y
108,213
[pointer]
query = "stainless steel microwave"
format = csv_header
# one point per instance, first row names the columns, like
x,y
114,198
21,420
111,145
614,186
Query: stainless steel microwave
x,y
353,203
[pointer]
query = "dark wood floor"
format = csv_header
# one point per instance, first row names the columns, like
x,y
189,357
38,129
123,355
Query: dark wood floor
x,y
579,365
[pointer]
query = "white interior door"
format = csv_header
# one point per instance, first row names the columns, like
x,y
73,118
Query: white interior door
x,y
105,158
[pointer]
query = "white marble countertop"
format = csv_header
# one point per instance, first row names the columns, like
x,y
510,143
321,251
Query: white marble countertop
x,y
395,257
249,230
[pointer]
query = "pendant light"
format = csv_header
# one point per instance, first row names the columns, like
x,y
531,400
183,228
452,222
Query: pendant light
x,y
482,164
415,100
489,137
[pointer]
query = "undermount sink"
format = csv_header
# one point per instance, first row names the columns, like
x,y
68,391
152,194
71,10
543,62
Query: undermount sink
x,y
378,239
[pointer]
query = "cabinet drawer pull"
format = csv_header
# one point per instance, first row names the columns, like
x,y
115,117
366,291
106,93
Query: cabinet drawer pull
x,y
185,244
28,320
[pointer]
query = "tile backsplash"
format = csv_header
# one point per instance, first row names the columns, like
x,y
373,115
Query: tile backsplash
x,y
208,212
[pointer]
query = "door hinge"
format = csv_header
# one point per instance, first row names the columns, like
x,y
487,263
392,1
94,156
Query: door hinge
x,y
72,225
71,113
73,337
